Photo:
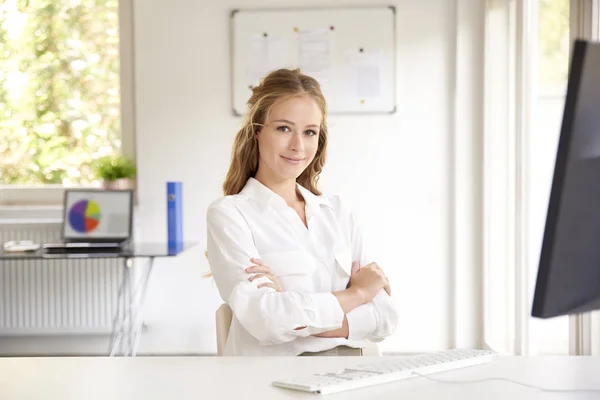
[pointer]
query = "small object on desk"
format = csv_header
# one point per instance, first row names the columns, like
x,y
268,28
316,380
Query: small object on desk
x,y
384,371
13,246
174,216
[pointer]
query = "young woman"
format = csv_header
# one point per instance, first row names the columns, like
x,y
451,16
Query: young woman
x,y
289,261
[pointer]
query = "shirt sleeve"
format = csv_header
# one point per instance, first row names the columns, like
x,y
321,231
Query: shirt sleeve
x,y
379,318
271,317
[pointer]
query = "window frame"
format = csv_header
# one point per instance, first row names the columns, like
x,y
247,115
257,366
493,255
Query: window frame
x,y
19,198
509,81
506,86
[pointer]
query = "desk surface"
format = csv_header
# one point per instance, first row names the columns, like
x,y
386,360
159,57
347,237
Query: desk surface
x,y
134,250
146,378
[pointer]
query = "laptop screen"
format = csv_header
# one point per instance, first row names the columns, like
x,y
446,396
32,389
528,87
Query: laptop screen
x,y
97,214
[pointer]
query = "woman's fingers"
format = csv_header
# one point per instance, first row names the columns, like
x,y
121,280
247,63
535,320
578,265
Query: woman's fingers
x,y
386,281
268,284
253,277
262,271
378,268
388,289
355,268
387,286
271,277
258,269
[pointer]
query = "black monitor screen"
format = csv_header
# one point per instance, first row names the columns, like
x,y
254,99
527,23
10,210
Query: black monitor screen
x,y
568,280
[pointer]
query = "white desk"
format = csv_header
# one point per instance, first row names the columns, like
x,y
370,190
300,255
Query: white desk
x,y
204,378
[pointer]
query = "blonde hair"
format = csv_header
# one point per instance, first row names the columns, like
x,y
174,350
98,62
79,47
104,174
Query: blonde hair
x,y
278,85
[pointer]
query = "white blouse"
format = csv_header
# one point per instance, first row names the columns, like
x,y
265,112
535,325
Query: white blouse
x,y
309,263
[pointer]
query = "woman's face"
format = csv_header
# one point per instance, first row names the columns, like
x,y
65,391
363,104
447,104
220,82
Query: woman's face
x,y
289,139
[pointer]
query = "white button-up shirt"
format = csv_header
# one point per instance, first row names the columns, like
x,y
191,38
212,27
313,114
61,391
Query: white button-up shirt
x,y
310,264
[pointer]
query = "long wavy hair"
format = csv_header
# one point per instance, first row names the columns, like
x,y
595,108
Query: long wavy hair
x,y
278,85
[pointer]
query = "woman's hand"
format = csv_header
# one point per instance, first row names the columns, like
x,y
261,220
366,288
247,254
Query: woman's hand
x,y
262,271
387,287
368,280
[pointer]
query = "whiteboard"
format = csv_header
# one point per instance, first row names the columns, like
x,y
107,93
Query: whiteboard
x,y
350,51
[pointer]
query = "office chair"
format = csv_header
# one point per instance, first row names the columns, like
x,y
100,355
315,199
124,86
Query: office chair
x,y
223,320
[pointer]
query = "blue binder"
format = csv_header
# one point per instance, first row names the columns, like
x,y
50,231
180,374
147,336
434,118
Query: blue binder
x,y
175,216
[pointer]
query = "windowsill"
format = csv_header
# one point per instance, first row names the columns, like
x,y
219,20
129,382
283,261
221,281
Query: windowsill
x,y
39,197
31,196
29,214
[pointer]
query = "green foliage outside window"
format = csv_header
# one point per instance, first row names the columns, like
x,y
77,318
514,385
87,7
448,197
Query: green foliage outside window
x,y
59,89
554,42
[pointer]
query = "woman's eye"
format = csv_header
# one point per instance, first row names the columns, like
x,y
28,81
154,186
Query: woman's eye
x,y
284,129
311,133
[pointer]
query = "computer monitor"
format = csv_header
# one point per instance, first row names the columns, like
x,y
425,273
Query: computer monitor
x,y
568,280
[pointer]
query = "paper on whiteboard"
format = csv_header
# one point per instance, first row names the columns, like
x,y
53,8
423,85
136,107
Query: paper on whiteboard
x,y
265,54
363,74
314,53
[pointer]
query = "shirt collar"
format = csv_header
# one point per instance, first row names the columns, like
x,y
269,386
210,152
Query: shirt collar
x,y
266,197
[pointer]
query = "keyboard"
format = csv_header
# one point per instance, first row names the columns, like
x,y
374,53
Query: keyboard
x,y
387,370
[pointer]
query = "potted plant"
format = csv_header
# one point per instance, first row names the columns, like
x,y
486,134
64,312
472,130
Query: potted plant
x,y
116,172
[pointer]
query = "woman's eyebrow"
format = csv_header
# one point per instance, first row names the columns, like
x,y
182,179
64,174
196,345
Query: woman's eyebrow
x,y
285,120
291,123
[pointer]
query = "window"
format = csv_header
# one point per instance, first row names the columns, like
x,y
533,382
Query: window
x,y
549,86
526,80
61,99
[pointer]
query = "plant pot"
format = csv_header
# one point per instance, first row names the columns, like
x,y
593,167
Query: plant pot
x,y
118,184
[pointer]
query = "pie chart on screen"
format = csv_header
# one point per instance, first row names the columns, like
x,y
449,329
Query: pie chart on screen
x,y
84,216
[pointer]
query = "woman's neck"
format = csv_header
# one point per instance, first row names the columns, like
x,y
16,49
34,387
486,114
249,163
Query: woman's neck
x,y
286,188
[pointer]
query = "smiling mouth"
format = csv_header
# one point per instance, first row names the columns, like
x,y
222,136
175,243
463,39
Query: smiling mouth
x,y
294,160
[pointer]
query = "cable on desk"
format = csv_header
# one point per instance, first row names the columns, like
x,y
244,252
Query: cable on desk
x,y
508,380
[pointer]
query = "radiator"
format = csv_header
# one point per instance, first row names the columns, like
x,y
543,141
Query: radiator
x,y
41,297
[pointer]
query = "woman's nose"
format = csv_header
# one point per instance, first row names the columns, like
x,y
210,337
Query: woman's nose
x,y
297,143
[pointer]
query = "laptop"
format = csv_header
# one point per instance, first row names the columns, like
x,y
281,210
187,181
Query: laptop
x,y
94,220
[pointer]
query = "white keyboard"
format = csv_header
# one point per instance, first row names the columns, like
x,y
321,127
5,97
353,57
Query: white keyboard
x,y
387,370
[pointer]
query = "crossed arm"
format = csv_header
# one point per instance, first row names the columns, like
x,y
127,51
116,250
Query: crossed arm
x,y
366,285
273,316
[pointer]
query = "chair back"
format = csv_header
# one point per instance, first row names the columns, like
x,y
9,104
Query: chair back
x,y
223,320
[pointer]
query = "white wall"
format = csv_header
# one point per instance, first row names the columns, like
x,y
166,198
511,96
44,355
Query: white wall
x,y
411,177
394,169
